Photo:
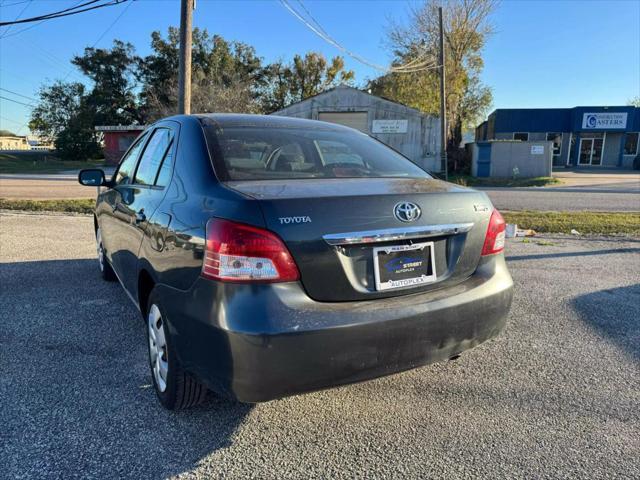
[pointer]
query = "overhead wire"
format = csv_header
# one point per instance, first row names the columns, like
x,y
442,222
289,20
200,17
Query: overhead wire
x,y
85,7
102,35
16,101
17,94
77,5
17,17
130,2
316,28
5,5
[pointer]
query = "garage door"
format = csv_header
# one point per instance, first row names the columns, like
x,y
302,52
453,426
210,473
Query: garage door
x,y
356,120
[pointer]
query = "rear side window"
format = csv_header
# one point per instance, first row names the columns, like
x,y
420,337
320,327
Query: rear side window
x,y
272,152
153,156
128,163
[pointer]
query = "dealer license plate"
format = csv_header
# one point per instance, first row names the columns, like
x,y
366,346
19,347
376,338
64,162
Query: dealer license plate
x,y
399,266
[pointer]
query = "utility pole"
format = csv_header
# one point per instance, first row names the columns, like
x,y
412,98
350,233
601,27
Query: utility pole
x,y
184,76
443,107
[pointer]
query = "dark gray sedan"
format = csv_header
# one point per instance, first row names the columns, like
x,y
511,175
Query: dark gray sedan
x,y
272,256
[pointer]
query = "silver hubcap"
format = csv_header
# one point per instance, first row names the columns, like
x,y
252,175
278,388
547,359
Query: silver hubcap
x,y
100,250
158,348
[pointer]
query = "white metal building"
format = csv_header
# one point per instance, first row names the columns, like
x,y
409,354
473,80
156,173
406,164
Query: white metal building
x,y
405,129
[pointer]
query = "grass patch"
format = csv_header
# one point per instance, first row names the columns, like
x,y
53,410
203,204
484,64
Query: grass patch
x,y
592,223
600,223
40,162
469,181
68,206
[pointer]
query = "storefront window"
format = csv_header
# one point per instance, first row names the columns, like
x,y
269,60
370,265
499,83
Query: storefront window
x,y
556,138
522,136
631,143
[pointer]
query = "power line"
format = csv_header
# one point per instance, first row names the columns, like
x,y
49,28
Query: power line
x,y
104,33
45,16
316,28
46,57
15,101
66,12
113,23
77,5
18,94
17,17
5,5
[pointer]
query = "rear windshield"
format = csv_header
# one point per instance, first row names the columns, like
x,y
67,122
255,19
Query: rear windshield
x,y
264,153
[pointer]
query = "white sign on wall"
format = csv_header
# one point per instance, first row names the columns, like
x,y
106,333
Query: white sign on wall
x,y
390,126
537,149
604,120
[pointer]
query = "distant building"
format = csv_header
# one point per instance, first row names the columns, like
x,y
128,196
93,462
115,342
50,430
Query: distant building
x,y
14,143
39,145
581,136
117,139
407,130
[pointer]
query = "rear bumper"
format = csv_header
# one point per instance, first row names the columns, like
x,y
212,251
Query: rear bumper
x,y
261,342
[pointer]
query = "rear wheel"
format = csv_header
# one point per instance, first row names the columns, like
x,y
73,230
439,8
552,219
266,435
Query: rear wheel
x,y
105,268
175,388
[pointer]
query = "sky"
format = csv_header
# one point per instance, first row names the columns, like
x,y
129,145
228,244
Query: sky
x,y
544,53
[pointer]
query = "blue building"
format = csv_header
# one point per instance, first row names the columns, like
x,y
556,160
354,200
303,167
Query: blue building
x,y
581,136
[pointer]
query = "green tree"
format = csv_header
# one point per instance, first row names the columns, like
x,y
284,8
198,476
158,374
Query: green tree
x,y
634,102
113,72
304,77
227,76
467,26
64,116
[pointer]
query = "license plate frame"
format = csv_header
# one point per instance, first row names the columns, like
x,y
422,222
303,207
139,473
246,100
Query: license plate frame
x,y
426,271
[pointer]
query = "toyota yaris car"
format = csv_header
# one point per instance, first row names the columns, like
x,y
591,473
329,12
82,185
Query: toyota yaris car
x,y
272,256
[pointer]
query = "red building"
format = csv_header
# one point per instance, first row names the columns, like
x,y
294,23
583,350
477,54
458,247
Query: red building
x,y
117,138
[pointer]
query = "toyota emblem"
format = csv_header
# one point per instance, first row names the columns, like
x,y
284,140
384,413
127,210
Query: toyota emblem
x,y
407,211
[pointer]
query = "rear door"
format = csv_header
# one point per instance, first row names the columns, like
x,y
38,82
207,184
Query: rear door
x,y
108,211
139,200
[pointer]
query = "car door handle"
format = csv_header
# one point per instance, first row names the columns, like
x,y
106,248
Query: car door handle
x,y
140,217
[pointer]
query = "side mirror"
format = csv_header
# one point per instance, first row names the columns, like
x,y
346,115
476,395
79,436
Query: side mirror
x,y
92,177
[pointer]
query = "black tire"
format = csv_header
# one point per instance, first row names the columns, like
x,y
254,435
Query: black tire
x,y
105,267
181,389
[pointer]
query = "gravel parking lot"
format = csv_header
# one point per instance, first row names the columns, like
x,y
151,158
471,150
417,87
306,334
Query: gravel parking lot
x,y
556,395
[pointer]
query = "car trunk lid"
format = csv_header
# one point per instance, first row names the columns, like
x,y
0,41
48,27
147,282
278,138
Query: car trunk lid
x,y
333,228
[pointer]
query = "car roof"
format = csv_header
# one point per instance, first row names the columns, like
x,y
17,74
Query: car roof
x,y
249,120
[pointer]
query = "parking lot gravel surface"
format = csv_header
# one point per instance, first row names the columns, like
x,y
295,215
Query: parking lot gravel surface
x,y
556,395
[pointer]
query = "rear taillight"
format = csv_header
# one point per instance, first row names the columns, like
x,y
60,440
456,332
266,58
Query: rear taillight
x,y
235,252
494,240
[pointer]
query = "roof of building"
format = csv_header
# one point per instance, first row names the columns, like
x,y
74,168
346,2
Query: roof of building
x,y
530,119
347,87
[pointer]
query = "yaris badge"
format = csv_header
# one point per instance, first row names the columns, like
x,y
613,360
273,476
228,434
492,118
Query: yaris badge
x,y
407,211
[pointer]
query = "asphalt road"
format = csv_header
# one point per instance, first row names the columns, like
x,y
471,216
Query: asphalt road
x,y
556,395
597,192
46,186
608,198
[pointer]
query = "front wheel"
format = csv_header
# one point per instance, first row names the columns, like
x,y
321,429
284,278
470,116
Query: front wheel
x,y
175,388
105,268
